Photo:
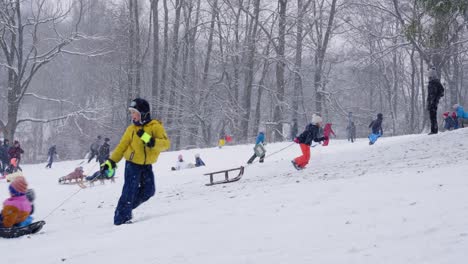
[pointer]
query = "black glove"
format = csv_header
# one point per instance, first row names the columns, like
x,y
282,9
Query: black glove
x,y
321,139
140,132
109,164
151,142
146,138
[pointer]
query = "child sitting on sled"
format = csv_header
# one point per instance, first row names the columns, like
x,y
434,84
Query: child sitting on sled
x,y
18,208
101,176
77,174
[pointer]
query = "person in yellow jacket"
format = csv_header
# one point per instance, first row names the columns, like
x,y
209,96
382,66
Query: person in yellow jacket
x,y
140,146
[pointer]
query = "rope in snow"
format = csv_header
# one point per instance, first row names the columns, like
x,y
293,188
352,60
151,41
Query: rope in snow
x,y
68,198
278,151
60,205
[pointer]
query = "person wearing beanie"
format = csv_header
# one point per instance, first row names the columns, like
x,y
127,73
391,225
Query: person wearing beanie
x,y
449,121
462,116
140,145
376,129
259,150
17,208
435,91
198,161
311,133
181,164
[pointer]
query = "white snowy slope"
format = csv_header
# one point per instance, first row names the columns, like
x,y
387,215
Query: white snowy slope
x,y
403,200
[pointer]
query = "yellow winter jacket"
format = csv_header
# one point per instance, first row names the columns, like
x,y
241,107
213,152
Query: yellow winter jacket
x,y
133,148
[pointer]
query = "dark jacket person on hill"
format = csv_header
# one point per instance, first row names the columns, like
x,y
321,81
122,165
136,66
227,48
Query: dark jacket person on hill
x,y
435,91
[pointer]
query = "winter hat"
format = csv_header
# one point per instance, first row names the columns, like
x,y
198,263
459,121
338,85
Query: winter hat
x,y
19,186
140,105
445,114
432,74
180,157
106,139
316,119
379,116
455,106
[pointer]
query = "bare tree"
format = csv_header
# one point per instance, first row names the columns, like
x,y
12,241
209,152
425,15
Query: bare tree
x,y
26,52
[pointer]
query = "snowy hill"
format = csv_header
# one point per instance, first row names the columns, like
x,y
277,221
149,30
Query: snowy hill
x,y
403,200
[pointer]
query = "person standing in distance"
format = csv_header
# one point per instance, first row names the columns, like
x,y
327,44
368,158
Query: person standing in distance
x,y
140,145
435,91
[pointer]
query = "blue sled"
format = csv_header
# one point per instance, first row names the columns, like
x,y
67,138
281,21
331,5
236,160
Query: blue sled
x,y
373,138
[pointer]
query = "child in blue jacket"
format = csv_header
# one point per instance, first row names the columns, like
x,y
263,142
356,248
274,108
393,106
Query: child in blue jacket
x,y
260,140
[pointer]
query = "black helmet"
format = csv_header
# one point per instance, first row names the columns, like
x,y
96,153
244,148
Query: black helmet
x,y
140,105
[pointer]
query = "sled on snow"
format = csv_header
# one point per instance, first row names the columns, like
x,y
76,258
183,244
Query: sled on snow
x,y
226,176
13,232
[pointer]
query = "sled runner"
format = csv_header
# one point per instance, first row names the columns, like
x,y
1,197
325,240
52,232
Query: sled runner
x,y
13,232
226,176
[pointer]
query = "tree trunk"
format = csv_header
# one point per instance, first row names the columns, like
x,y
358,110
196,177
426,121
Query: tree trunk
x,y
320,55
138,59
174,68
280,65
261,84
162,99
298,60
194,87
412,93
130,58
155,73
251,43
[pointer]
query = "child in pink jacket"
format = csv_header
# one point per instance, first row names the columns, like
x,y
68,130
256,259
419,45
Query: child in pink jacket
x,y
17,208
327,130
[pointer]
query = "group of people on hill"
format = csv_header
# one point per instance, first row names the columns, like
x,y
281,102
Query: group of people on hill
x,y
455,119
145,138
10,157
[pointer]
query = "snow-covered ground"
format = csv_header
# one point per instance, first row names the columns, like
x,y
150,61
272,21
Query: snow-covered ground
x,y
403,200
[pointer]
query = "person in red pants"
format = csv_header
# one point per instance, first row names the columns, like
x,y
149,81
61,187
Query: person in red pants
x,y
310,134
327,130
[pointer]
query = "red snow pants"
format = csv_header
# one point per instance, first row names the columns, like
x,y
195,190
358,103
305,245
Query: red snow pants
x,y
303,160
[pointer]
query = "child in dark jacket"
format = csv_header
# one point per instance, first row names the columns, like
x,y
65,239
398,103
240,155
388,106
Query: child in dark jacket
x,y
311,133
198,161
377,131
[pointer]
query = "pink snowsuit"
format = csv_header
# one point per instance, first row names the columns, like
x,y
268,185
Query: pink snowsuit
x,y
327,130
